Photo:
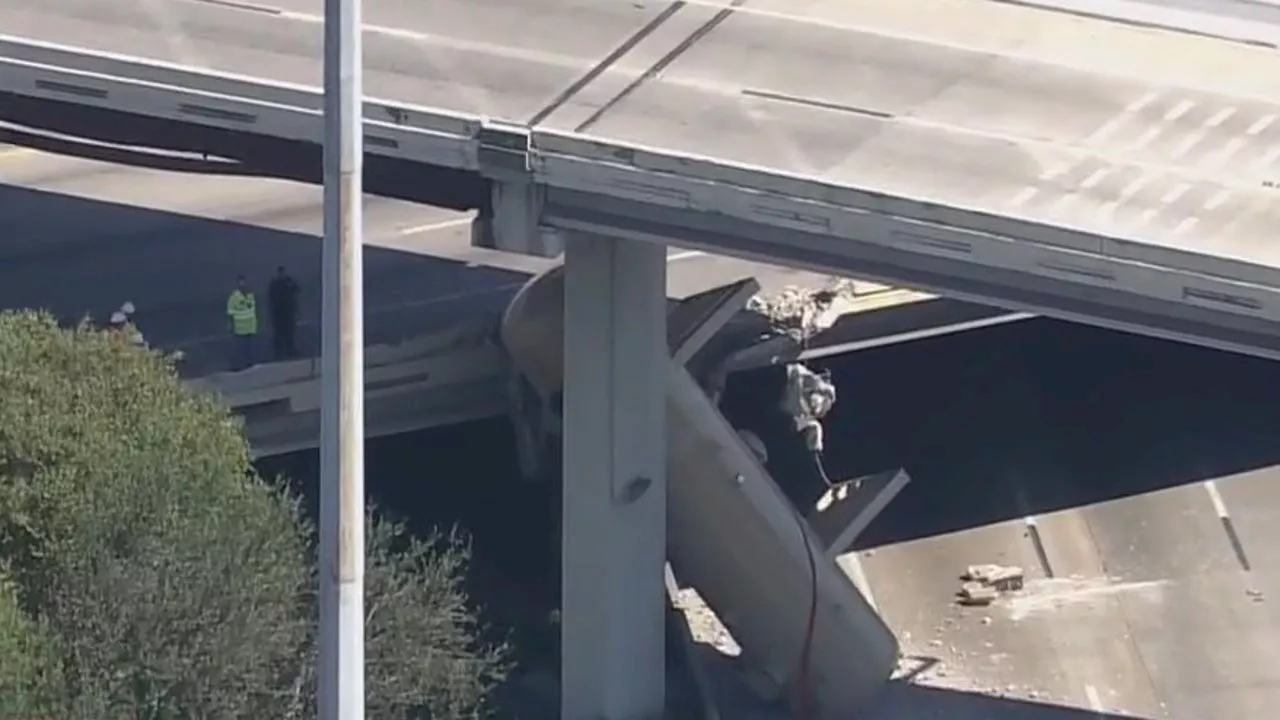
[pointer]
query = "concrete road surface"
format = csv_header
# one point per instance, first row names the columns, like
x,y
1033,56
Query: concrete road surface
x,y
82,236
1255,22
1267,11
1137,483
1086,123
1170,11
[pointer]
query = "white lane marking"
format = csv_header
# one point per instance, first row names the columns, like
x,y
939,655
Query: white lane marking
x,y
1220,117
1095,702
474,95
1218,199
1233,146
1270,158
1182,108
1057,169
1024,195
1147,137
1262,124
1127,193
445,41
431,227
1110,127
1215,497
1177,192
1095,177
1188,143
1141,103
1064,203
1126,71
175,35
1147,216
1170,170
1186,225
685,255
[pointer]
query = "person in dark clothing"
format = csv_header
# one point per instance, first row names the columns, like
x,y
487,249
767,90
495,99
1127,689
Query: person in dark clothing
x,y
282,298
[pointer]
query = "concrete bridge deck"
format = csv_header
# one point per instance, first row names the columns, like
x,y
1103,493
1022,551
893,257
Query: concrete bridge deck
x,y
1053,163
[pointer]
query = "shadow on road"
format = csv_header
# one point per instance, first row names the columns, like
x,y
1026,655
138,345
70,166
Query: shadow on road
x,y
145,142
906,698
1024,419
75,256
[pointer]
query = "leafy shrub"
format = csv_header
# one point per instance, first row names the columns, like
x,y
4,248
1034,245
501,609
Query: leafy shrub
x,y
172,582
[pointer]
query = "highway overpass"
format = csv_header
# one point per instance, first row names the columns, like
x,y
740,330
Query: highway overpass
x,y
1129,185
905,145
86,233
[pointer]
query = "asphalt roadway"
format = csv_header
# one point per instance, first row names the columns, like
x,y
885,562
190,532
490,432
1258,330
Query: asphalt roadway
x,y
1136,481
1073,121
81,236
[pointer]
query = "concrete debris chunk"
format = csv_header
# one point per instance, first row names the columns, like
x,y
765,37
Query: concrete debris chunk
x,y
983,584
1005,578
804,312
975,593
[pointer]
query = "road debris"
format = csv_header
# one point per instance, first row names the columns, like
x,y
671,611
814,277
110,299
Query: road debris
x,y
983,584
1050,595
802,312
704,626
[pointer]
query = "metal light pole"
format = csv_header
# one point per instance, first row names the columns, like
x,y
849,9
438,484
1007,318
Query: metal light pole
x,y
340,682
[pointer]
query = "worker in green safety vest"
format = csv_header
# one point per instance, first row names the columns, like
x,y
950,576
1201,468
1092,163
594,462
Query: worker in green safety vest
x,y
242,317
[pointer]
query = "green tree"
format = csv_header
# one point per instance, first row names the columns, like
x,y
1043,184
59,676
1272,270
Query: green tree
x,y
28,679
417,601
171,580
132,520
425,653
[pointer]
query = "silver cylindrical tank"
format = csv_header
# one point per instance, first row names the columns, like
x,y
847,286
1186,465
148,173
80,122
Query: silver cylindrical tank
x,y
733,535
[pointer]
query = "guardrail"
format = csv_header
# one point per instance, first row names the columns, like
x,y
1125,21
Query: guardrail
x,y
583,169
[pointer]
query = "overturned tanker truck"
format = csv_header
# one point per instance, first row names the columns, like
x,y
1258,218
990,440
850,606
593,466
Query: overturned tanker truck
x,y
767,572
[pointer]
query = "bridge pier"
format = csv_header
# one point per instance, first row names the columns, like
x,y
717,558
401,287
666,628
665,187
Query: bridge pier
x,y
615,496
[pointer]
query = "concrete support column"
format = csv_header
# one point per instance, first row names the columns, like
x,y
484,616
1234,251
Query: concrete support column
x,y
615,495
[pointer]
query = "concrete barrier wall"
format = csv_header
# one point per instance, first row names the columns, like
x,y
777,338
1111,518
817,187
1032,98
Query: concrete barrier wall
x,y
438,379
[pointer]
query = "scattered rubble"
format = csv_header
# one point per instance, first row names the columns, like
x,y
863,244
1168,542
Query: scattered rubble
x,y
704,626
983,584
802,312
